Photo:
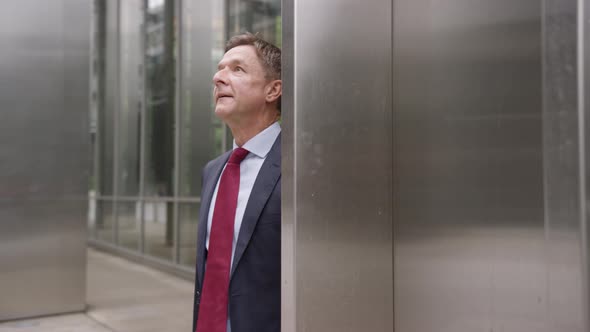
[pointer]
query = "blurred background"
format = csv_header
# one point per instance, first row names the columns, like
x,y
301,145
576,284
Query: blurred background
x,y
152,127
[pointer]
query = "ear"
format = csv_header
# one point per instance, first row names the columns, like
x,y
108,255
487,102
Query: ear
x,y
274,89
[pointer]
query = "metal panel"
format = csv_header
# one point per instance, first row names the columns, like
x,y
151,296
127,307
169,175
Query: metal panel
x,y
473,250
288,180
583,76
44,156
564,202
337,165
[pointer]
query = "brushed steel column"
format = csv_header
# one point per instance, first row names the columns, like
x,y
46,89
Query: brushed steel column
x,y
337,166
44,156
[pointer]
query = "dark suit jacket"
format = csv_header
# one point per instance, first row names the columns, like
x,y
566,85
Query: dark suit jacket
x,y
255,285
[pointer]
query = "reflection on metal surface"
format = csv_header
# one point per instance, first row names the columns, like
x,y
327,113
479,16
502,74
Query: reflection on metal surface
x,y
337,235
565,279
288,185
489,165
44,61
476,248
583,90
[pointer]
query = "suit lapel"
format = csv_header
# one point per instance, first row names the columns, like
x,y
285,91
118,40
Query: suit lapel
x,y
266,180
206,196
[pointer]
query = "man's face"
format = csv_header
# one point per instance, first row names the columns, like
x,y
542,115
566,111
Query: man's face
x,y
240,84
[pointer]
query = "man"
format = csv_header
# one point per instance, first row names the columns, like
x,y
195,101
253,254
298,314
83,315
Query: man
x,y
237,286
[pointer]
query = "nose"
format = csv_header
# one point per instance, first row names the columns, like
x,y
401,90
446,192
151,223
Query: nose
x,y
220,77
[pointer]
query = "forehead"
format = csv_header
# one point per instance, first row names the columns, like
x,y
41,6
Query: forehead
x,y
243,54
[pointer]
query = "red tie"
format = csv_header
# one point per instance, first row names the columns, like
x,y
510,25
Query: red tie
x,y
214,301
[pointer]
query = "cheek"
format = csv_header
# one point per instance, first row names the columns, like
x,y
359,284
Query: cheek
x,y
250,93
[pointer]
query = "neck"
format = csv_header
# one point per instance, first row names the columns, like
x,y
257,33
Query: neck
x,y
246,130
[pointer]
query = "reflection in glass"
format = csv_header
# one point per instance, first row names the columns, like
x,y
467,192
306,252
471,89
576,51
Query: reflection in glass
x,y
96,63
105,222
201,133
188,214
104,96
160,98
158,229
256,16
261,17
129,224
160,58
152,114
92,214
130,98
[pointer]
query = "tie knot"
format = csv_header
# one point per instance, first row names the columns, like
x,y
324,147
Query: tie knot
x,y
238,155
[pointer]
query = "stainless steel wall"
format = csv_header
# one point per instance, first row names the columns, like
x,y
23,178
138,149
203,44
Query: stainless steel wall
x,y
44,156
447,137
337,157
565,206
476,247
468,167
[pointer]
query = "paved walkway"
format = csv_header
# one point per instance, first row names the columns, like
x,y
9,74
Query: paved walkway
x,y
122,297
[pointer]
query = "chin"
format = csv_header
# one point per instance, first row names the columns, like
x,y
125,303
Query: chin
x,y
222,113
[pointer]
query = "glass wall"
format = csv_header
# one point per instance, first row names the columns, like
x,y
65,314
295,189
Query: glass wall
x,y
152,117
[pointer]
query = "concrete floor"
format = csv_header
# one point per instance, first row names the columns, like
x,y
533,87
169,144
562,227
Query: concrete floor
x,y
122,296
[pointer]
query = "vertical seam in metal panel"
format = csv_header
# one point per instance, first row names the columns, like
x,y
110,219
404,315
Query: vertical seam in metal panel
x,y
177,107
90,58
295,163
582,156
392,171
545,159
288,234
117,113
143,129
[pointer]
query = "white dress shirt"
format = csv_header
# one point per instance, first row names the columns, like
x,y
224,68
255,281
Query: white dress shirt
x,y
259,146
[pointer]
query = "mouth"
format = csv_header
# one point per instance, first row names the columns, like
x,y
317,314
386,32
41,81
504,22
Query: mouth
x,y
222,96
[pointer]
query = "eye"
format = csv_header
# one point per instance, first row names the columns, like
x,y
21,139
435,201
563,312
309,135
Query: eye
x,y
238,68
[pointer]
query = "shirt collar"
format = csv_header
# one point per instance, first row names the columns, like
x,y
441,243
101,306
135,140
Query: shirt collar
x,y
261,144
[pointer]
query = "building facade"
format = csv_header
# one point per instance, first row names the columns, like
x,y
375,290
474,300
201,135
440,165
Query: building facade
x,y
152,124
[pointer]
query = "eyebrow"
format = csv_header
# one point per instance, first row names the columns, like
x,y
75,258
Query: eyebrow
x,y
230,62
